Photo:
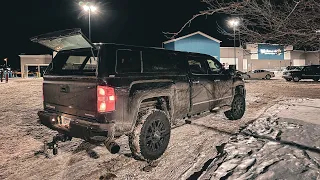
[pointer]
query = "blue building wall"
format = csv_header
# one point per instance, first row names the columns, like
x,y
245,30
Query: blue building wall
x,y
196,43
267,51
169,46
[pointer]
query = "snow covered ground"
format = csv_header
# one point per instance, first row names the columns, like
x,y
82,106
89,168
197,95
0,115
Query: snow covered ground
x,y
271,148
209,147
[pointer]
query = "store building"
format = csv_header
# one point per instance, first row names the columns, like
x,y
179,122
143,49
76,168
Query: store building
x,y
276,57
198,42
251,57
33,64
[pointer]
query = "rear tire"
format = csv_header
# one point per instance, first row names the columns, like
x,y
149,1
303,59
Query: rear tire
x,y
296,79
268,76
238,108
151,136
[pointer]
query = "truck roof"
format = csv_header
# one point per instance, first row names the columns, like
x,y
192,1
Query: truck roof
x,y
151,48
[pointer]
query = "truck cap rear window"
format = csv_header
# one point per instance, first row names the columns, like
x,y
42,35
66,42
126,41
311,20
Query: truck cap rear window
x,y
79,62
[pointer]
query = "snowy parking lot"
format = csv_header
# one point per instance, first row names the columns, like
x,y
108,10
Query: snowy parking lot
x,y
278,138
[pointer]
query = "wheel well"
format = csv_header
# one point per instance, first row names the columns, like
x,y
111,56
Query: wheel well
x,y
161,103
240,90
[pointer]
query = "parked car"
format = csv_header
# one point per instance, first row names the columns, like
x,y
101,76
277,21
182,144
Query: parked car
x,y
137,91
304,72
260,74
241,74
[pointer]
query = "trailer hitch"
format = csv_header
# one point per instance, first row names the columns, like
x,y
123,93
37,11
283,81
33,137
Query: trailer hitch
x,y
54,144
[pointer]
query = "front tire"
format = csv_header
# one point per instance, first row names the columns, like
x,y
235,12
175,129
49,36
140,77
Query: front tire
x,y
268,76
151,135
296,79
238,108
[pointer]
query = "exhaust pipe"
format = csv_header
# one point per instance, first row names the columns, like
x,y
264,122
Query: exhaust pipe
x,y
112,146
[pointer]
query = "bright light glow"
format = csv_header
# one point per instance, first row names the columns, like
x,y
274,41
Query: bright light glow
x,y
93,8
318,31
112,98
5,59
86,8
102,107
53,120
234,22
101,92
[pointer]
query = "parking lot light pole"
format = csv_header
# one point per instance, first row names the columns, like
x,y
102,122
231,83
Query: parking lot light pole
x,y
234,23
6,60
318,32
90,9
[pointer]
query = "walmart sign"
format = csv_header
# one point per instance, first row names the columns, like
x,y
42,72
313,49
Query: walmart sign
x,y
267,52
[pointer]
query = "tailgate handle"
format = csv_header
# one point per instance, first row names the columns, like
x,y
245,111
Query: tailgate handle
x,y
65,89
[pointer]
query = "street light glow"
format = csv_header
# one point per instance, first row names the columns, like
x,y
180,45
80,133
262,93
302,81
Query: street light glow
x,y
90,8
233,22
93,8
86,8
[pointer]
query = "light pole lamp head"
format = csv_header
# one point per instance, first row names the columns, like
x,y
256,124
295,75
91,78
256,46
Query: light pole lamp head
x,y
89,7
86,7
234,22
93,8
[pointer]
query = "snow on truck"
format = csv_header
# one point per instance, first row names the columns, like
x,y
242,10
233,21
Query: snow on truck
x,y
98,92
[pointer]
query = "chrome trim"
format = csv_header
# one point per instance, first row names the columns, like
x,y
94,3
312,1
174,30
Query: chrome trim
x,y
212,100
49,106
90,115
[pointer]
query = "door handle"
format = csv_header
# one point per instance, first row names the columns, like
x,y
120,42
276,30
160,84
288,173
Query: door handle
x,y
195,82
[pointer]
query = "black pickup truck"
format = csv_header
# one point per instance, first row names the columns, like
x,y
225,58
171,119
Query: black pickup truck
x,y
302,72
98,92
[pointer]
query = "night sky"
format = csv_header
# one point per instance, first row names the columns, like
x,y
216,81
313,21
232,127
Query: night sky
x,y
135,22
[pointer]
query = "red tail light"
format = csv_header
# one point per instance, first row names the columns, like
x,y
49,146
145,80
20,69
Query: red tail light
x,y
106,99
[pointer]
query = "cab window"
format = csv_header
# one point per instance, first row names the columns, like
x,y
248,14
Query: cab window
x,y
214,66
197,66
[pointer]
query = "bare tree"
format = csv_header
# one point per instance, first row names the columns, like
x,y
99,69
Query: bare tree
x,y
286,22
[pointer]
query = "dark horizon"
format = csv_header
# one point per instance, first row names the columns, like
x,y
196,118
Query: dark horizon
x,y
136,23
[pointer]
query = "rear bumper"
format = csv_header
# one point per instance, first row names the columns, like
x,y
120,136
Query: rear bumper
x,y
77,128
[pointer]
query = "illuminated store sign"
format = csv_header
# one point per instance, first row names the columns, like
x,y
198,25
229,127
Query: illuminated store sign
x,y
270,52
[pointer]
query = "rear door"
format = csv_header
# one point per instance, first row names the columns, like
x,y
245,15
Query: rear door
x,y
222,84
201,84
307,72
317,71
